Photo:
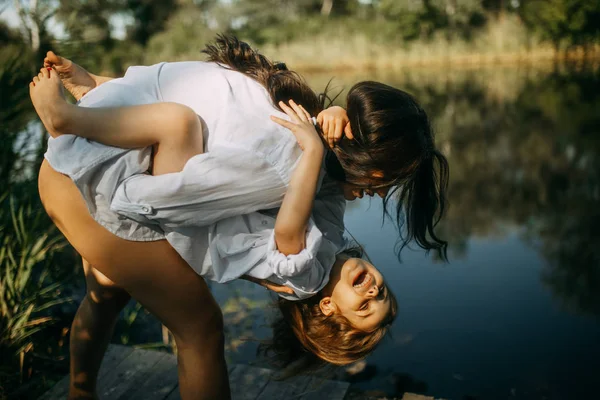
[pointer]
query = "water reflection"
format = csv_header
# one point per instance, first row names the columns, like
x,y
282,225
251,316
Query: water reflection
x,y
523,222
524,151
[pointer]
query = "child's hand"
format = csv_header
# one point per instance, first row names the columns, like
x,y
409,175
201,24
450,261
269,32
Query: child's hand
x,y
301,126
334,122
274,287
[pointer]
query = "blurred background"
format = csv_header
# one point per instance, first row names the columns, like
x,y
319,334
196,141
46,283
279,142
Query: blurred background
x,y
513,89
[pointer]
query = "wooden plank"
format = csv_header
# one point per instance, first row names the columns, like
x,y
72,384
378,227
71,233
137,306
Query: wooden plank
x,y
129,374
114,355
325,389
248,382
158,383
291,388
132,370
414,396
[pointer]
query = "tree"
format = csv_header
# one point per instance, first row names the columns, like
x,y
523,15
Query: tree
x,y
562,20
88,20
420,18
149,18
33,15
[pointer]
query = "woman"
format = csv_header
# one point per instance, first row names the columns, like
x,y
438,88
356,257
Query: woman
x,y
351,298
354,175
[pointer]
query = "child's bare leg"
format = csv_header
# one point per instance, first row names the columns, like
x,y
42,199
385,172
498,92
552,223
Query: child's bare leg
x,y
76,79
171,127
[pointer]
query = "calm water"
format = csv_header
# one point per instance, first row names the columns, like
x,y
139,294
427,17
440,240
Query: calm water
x,y
516,312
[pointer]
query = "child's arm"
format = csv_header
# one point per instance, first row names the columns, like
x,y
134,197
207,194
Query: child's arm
x,y
131,126
295,211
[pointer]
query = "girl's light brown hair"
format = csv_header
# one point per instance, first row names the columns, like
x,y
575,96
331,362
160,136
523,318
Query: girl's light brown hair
x,y
307,339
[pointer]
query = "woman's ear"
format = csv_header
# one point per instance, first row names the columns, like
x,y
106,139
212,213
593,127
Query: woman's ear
x,y
327,306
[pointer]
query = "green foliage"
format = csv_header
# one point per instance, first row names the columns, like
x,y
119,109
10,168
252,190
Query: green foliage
x,y
88,21
184,37
149,18
16,71
573,21
27,250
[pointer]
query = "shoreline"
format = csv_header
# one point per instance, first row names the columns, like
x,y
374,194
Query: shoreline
x,y
462,62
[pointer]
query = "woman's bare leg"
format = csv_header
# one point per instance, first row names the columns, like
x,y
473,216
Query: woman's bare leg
x,y
92,330
76,80
155,275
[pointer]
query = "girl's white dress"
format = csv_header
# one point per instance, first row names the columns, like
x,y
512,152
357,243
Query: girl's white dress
x,y
209,212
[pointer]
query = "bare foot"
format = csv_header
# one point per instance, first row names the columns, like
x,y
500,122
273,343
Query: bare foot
x,y
49,102
75,79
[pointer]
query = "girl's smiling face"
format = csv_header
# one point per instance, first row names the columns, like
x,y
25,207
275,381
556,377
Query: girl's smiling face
x,y
356,290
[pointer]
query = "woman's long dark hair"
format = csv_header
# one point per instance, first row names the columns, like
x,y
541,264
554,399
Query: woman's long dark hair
x,y
392,135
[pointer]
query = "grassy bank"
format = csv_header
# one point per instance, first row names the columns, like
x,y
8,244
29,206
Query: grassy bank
x,y
339,46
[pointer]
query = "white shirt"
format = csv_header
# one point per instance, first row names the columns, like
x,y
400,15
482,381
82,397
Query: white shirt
x,y
247,162
207,211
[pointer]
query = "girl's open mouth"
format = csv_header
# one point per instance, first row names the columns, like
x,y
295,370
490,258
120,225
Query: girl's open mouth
x,y
362,280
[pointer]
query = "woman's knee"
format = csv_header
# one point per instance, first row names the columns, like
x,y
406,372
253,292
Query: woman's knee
x,y
110,299
102,292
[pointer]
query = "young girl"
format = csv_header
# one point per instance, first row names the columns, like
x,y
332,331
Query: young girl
x,y
352,300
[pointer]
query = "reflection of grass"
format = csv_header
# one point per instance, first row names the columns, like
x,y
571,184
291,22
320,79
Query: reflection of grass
x,y
340,46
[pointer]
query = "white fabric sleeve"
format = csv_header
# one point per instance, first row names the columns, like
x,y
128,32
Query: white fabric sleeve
x,y
239,247
295,265
221,183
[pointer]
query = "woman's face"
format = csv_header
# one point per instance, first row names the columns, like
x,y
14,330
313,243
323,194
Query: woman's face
x,y
352,191
357,291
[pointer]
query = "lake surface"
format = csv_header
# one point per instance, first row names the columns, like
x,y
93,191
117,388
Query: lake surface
x,y
516,311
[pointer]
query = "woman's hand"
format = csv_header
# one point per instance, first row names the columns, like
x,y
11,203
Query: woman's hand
x,y
269,285
301,125
334,122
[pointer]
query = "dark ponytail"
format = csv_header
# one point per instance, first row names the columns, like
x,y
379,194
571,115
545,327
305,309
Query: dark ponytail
x,y
422,202
393,136
281,83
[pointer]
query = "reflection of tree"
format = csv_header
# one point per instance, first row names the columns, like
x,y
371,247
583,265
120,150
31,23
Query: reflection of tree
x,y
531,159
572,247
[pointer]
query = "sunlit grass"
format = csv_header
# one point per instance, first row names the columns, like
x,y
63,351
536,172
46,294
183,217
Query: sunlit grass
x,y
340,47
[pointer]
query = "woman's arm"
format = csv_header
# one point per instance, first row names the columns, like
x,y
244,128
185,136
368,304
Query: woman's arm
x,y
292,219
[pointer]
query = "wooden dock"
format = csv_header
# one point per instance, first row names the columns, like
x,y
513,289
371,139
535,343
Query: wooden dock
x,y
134,374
